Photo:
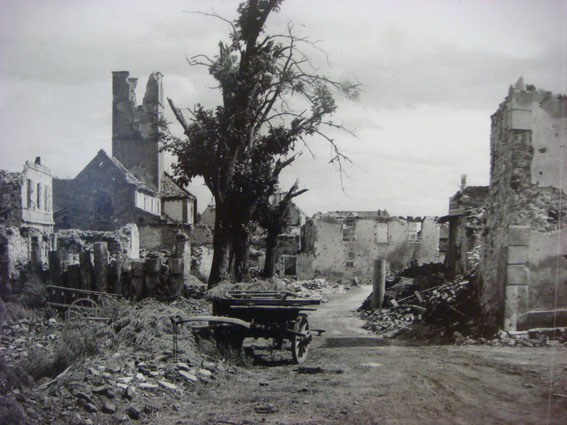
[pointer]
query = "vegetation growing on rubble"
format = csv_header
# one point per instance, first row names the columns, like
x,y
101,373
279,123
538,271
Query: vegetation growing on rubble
x,y
241,146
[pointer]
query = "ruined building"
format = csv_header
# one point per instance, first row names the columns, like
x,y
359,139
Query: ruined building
x,y
466,226
130,186
524,264
345,244
26,218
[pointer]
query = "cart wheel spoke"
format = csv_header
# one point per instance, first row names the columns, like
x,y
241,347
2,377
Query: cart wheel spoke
x,y
82,309
300,344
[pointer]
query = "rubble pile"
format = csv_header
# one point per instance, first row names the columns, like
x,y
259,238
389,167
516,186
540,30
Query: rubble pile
x,y
445,312
390,322
105,371
531,338
424,294
75,241
318,288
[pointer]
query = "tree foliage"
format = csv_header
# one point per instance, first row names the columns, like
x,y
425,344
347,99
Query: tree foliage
x,y
272,99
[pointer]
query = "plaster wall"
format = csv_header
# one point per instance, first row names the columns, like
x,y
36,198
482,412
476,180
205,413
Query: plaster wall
x,y
333,257
36,194
174,209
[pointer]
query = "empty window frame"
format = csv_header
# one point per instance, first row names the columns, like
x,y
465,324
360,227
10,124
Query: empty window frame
x,y
349,230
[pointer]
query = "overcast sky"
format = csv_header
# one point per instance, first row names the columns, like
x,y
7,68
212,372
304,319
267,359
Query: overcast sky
x,y
433,72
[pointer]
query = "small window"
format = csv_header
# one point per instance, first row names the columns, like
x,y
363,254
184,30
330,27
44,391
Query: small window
x,y
349,231
290,265
381,232
46,203
414,231
349,264
29,194
38,195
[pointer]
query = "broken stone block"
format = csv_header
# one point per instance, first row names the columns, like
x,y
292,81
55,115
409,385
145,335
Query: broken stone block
x,y
100,390
148,386
209,366
205,373
133,412
183,366
109,408
129,393
82,396
168,385
189,376
89,407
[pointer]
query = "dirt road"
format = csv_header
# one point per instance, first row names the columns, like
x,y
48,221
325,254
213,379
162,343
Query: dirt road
x,y
352,377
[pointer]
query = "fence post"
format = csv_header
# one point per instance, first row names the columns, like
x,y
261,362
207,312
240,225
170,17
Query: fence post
x,y
100,266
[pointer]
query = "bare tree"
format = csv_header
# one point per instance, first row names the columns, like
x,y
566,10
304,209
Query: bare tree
x,y
241,146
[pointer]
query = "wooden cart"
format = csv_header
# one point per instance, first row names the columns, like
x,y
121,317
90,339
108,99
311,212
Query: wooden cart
x,y
260,314
79,304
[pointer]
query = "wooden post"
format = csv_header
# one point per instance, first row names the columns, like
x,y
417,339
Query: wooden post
x,y
183,251
66,259
115,277
35,257
125,278
137,280
74,276
152,268
379,287
55,269
86,270
176,276
100,266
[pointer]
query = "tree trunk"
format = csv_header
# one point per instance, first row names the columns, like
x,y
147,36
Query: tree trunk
x,y
221,242
271,253
241,246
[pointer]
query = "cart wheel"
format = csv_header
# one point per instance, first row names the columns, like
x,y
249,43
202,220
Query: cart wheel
x,y
300,344
81,309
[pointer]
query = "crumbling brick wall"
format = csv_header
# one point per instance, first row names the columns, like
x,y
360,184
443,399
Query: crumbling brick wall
x,y
526,189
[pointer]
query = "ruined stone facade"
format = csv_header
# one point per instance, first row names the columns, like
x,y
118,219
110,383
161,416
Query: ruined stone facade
x,y
26,218
345,244
524,263
466,226
135,127
130,186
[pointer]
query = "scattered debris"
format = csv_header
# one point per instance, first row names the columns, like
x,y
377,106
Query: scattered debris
x,y
76,373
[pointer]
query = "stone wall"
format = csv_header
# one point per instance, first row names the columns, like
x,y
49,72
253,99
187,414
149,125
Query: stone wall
x,y
201,235
14,254
160,236
10,198
343,249
125,240
202,260
524,212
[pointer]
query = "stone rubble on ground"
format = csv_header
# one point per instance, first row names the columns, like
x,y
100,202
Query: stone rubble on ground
x,y
130,376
